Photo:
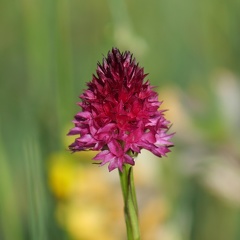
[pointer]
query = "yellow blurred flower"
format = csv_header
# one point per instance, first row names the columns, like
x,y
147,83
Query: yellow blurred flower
x,y
61,175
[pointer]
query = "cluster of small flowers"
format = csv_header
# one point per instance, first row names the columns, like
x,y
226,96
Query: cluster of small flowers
x,y
120,114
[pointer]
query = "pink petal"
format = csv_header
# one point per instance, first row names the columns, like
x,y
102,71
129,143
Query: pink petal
x,y
85,115
115,148
149,137
74,131
129,160
101,155
162,139
113,164
86,138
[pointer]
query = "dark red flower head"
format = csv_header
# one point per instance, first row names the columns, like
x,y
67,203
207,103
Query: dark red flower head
x,y
120,114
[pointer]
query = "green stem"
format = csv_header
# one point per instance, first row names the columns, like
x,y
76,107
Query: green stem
x,y
130,202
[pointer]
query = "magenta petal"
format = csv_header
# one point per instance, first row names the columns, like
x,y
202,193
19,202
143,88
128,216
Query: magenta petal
x,y
163,139
106,132
129,160
115,148
107,128
92,128
149,137
160,151
86,138
85,115
133,146
102,155
89,95
105,156
74,131
135,135
113,164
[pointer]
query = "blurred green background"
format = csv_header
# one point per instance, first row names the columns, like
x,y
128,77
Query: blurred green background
x,y
49,50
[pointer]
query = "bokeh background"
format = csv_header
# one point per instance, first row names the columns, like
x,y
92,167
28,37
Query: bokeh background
x,y
49,50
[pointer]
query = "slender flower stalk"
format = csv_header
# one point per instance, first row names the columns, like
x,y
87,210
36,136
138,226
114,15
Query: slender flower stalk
x,y
120,116
130,203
